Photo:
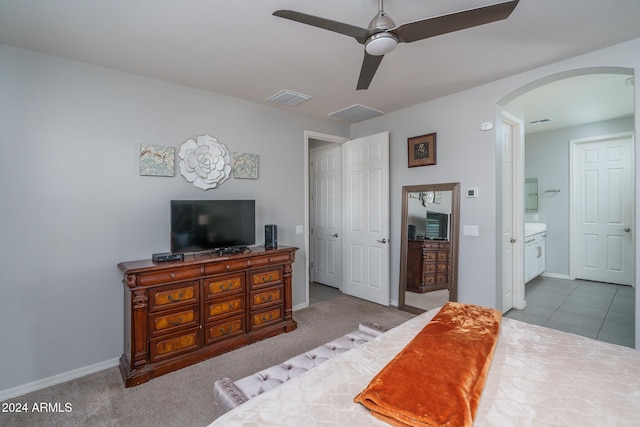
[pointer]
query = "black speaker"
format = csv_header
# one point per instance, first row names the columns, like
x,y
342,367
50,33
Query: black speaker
x,y
411,232
270,236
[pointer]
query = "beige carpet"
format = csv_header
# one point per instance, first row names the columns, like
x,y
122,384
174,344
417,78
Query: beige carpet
x,y
184,397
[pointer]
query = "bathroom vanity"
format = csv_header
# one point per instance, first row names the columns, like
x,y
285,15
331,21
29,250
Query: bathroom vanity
x,y
534,249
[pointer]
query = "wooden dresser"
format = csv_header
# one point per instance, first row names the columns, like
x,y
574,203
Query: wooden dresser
x,y
427,265
182,312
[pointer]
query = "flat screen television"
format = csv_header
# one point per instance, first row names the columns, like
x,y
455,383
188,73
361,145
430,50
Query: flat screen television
x,y
437,226
202,225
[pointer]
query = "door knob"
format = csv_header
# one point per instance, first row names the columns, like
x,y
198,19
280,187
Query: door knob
x,y
512,240
334,235
626,229
383,241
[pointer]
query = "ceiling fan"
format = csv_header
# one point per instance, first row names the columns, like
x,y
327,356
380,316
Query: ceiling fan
x,y
382,35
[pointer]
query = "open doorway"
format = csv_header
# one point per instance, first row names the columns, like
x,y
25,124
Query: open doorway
x,y
365,215
550,124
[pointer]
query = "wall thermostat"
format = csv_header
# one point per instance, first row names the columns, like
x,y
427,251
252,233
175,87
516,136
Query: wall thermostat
x,y
472,192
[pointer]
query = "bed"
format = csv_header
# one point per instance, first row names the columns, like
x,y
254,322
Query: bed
x,y
537,377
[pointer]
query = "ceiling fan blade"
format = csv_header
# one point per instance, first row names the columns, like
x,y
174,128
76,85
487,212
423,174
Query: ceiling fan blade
x,y
430,27
370,65
360,34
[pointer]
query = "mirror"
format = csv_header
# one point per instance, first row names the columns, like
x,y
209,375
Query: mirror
x,y
429,249
531,194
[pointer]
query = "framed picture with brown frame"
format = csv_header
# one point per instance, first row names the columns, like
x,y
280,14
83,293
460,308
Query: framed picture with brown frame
x,y
422,150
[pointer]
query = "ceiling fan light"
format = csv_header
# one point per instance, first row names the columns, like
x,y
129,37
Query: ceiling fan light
x,y
380,44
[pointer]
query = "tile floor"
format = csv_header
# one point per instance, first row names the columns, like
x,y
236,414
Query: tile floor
x,y
602,311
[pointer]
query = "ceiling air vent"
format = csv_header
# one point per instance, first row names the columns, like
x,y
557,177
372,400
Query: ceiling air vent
x,y
288,97
356,113
539,122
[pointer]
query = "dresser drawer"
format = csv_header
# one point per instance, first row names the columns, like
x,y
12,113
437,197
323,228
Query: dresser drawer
x,y
224,285
165,322
431,245
266,297
430,256
169,346
442,278
224,308
266,317
442,256
224,266
167,297
169,275
270,260
429,267
226,329
429,279
266,277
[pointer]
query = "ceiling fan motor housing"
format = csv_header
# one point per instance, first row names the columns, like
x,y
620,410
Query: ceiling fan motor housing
x,y
381,42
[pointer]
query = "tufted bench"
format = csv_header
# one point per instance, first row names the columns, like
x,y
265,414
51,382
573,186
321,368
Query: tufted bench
x,y
229,394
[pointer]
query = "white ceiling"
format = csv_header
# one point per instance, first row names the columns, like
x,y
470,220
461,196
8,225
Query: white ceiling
x,y
237,48
575,101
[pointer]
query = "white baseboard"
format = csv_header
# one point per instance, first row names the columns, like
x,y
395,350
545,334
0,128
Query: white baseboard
x,y
556,276
57,379
300,306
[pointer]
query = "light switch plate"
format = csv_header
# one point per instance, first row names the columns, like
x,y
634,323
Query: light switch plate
x,y
472,192
470,230
299,229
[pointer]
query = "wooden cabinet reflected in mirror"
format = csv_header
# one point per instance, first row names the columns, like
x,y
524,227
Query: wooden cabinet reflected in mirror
x,y
429,250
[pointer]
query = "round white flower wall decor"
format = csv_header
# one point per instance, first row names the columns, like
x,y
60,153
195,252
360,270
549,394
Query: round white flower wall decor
x,y
205,162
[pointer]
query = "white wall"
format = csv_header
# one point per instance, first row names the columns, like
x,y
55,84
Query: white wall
x,y
74,203
468,155
547,158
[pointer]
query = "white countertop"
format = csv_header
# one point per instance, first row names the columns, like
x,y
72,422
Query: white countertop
x,y
531,228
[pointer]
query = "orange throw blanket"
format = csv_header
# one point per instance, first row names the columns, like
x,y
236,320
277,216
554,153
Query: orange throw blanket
x,y
437,379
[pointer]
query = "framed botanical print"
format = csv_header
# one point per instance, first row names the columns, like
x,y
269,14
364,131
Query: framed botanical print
x,y
422,150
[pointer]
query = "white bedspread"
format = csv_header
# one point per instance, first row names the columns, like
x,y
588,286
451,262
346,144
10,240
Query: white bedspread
x,y
539,377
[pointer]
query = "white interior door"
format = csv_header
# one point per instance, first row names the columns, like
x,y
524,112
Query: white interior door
x,y
366,225
508,241
513,291
602,209
326,215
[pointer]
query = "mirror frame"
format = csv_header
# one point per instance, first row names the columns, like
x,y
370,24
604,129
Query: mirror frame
x,y
454,187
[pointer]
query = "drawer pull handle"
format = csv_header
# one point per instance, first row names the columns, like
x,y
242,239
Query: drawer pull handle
x,y
227,331
172,275
173,299
226,286
227,266
175,322
231,306
265,299
267,318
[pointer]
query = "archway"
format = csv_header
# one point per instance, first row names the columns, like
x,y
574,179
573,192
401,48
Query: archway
x,y
513,103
